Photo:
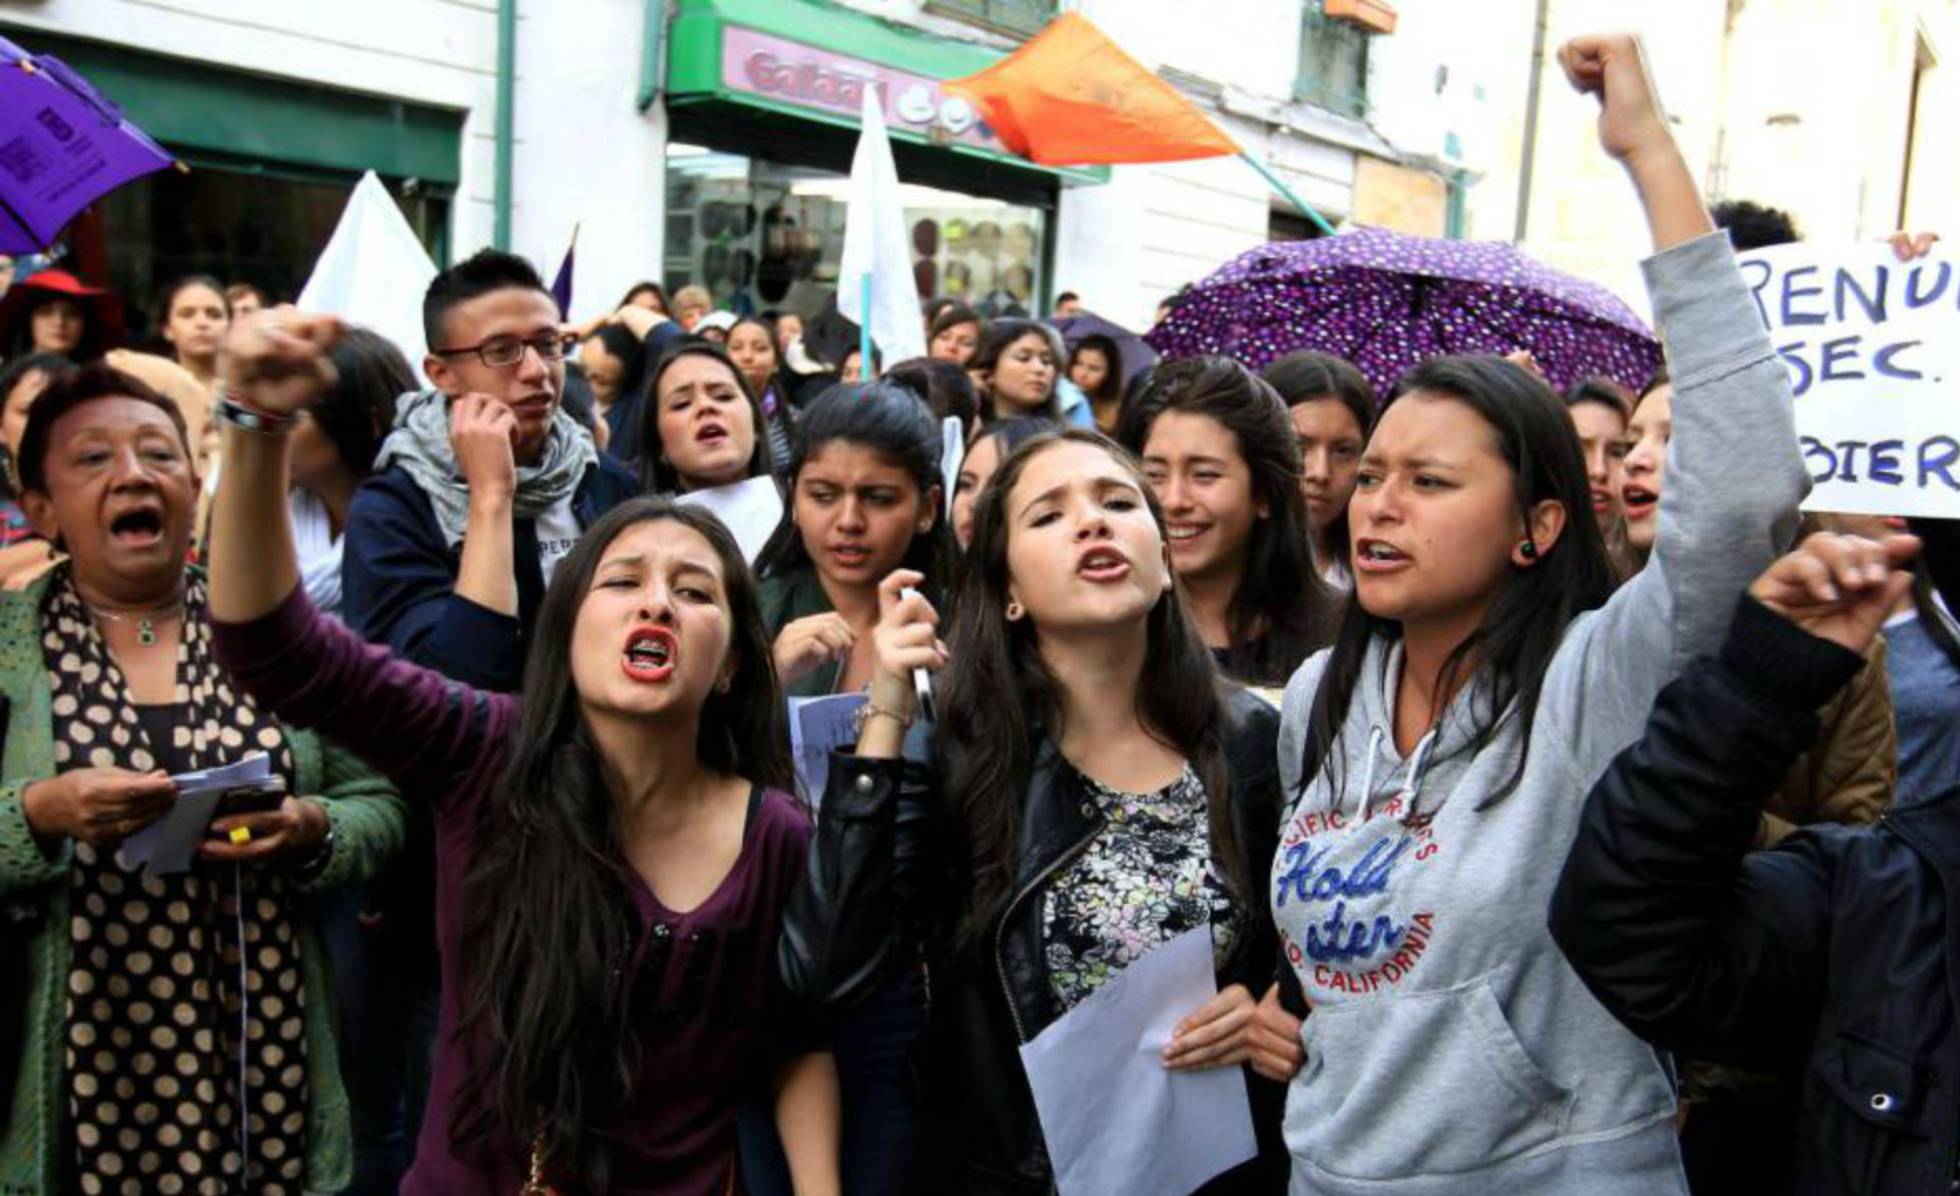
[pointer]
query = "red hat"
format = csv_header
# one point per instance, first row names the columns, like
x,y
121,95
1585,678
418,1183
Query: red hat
x,y
105,310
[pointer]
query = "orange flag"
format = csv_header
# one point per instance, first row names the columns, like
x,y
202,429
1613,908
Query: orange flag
x,y
1072,97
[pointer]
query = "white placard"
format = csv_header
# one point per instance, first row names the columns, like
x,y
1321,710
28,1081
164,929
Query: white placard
x,y
1871,344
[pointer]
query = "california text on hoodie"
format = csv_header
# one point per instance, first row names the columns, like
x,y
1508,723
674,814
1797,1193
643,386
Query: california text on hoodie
x,y
1451,1048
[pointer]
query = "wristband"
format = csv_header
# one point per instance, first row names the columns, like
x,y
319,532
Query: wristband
x,y
240,414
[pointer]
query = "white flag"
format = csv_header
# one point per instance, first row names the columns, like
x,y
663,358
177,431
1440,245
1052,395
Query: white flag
x,y
374,271
875,244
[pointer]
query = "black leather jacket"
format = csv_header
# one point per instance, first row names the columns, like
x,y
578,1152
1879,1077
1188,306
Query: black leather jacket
x,y
1834,956
879,887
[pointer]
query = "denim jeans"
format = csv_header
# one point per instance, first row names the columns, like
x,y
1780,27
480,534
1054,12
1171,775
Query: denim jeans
x,y
879,1151
387,1042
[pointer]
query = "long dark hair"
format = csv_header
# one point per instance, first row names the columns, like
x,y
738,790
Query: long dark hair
x,y
996,337
1111,390
356,413
619,341
999,701
893,422
548,921
52,367
1281,610
1609,394
657,474
1309,377
943,385
1528,616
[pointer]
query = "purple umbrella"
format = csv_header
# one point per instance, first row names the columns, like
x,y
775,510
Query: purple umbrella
x,y
1385,302
1137,356
62,147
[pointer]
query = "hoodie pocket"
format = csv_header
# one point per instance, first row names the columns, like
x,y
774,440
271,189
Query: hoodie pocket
x,y
1421,1084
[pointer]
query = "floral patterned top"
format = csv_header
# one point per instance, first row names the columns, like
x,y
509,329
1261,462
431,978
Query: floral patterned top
x,y
1146,878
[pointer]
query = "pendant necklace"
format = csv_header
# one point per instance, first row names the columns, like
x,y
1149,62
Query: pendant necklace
x,y
146,620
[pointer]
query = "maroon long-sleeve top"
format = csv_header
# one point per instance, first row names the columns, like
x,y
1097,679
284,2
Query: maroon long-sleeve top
x,y
714,1020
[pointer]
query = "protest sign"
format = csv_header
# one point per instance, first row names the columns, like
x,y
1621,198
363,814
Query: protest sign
x,y
1870,344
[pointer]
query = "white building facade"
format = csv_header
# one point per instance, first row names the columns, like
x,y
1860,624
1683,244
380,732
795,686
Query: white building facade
x,y
705,140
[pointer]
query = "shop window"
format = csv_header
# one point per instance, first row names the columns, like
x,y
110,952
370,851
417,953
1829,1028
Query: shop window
x,y
764,235
1025,17
1333,62
1290,226
234,222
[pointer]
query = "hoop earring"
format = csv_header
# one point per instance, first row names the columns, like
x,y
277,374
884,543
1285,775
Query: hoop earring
x,y
1014,612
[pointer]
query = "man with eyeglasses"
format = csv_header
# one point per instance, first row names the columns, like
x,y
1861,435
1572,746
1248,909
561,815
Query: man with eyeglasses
x,y
483,486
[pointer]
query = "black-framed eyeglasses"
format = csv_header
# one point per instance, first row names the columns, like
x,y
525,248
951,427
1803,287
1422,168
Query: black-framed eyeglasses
x,y
502,352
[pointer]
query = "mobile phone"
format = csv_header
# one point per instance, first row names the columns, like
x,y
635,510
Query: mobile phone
x,y
259,797
922,679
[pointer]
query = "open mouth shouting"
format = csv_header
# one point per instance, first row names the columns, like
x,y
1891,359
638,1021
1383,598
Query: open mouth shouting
x,y
650,655
138,527
1102,564
711,434
1638,501
1378,556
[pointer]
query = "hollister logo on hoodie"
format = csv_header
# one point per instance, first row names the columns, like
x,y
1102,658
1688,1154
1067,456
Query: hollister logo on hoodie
x,y
1354,940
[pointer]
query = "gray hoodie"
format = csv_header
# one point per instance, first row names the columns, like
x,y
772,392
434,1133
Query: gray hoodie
x,y
1451,1048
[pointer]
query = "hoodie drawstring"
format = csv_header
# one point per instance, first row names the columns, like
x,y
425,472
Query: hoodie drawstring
x,y
1417,760
1368,771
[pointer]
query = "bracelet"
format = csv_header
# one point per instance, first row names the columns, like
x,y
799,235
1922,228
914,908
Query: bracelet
x,y
317,862
240,414
871,710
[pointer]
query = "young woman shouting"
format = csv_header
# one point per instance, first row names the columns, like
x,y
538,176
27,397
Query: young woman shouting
x,y
1091,793
614,847
1441,751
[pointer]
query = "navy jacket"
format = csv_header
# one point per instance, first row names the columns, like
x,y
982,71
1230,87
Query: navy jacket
x,y
399,578
1834,956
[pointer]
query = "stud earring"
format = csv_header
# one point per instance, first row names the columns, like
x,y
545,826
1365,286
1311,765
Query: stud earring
x,y
1528,550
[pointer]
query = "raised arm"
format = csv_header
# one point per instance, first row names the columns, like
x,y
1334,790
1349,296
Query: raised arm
x,y
411,723
856,917
1734,474
1691,939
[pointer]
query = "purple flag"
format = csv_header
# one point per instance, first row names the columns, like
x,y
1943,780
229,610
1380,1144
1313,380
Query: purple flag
x,y
561,286
63,145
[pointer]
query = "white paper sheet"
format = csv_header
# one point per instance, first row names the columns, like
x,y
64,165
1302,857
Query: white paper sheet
x,y
170,843
818,726
751,508
1115,1119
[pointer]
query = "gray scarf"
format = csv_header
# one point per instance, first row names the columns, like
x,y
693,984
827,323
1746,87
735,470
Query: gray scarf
x,y
420,444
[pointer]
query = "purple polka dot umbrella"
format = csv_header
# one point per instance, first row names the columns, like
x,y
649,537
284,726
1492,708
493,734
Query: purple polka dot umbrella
x,y
1386,301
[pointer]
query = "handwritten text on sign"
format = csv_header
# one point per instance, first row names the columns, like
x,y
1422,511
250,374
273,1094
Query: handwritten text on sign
x,y
1870,345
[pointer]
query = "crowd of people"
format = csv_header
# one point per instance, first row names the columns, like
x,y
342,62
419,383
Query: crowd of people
x,y
1567,814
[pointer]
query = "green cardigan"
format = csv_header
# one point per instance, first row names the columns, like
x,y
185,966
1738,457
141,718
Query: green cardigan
x,y
369,825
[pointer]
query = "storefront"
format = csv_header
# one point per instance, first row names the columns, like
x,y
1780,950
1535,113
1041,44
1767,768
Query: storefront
x,y
269,164
763,99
